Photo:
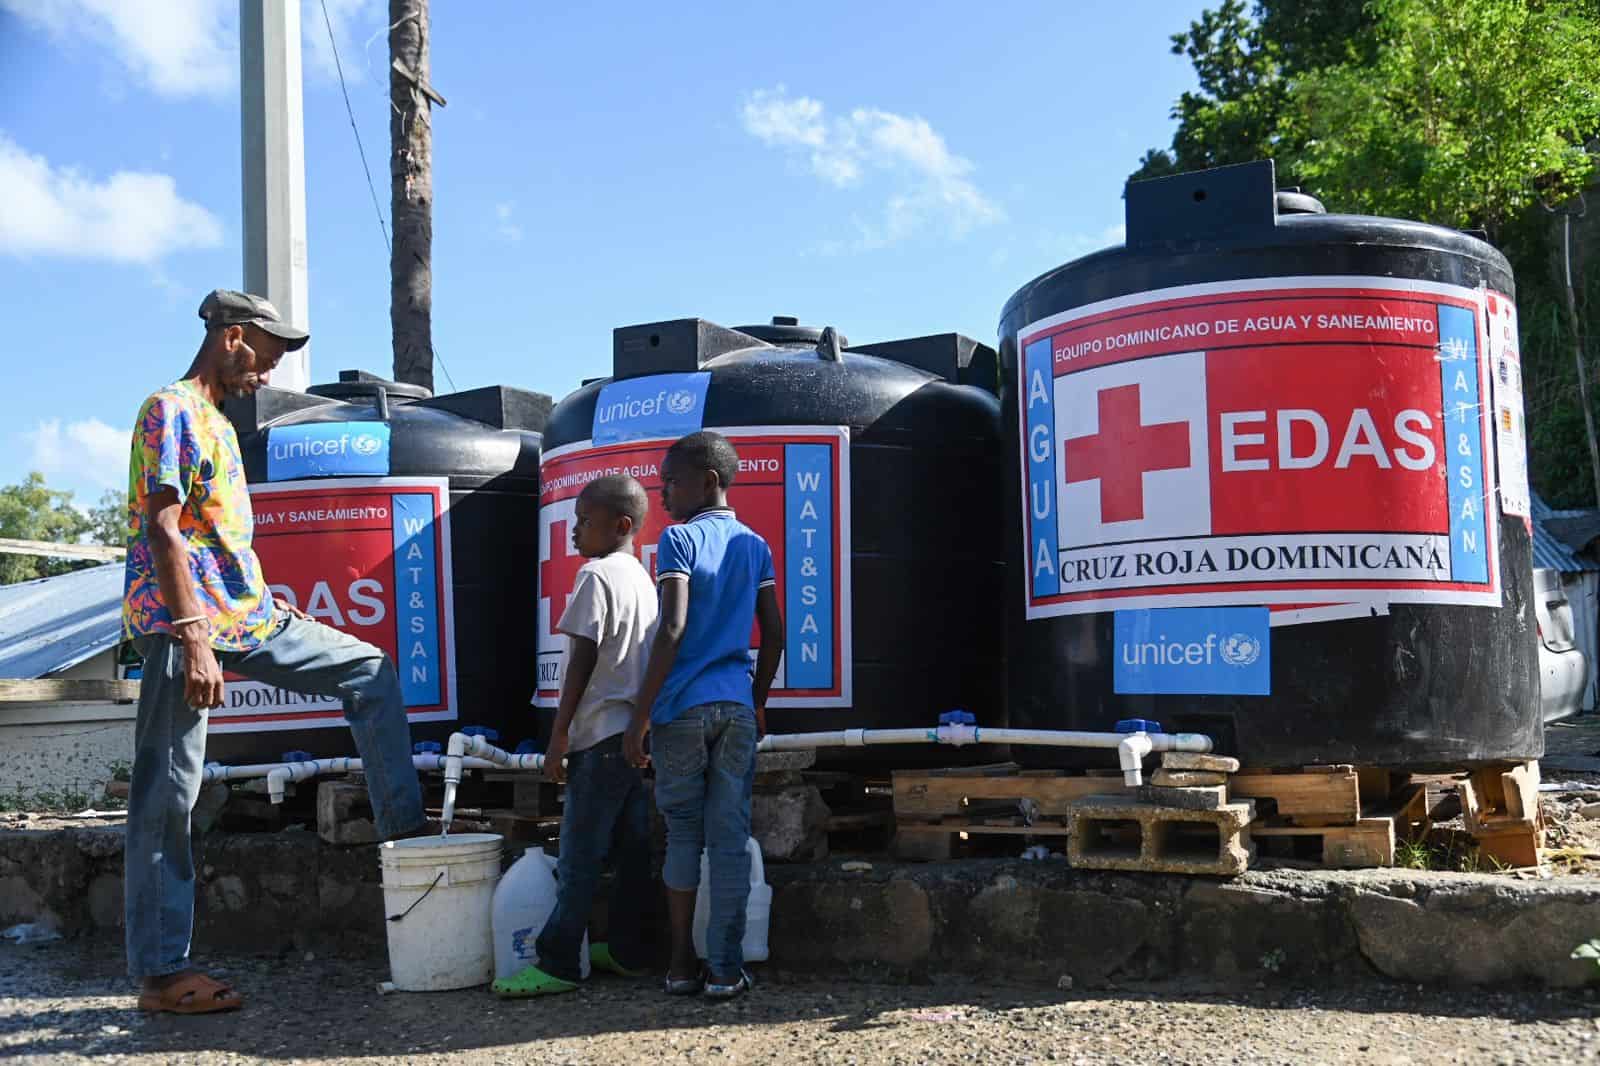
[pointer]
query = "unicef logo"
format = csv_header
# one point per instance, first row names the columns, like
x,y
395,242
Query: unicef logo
x,y
365,444
1240,649
680,402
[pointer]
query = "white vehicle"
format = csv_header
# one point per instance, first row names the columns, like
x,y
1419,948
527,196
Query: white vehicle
x,y
1563,668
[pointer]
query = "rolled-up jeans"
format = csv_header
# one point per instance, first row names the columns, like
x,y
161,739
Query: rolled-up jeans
x,y
705,762
169,757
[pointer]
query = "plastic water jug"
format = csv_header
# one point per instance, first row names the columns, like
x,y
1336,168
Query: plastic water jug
x,y
757,914
522,904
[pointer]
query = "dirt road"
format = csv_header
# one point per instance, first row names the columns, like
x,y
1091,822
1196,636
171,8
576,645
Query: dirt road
x,y
67,1002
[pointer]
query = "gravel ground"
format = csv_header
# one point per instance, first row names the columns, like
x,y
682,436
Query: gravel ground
x,y
67,1002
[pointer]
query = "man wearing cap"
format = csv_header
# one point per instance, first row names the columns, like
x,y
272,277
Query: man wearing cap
x,y
195,604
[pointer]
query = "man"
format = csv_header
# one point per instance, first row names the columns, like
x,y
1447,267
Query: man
x,y
195,604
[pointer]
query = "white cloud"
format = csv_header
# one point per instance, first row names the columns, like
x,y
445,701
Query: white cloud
x,y
87,451
930,187
191,47
177,47
505,228
132,216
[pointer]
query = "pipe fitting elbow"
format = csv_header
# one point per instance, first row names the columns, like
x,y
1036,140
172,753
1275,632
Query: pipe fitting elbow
x,y
1131,751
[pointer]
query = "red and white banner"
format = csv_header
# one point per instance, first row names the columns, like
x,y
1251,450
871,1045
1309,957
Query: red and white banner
x,y
1293,441
793,488
370,557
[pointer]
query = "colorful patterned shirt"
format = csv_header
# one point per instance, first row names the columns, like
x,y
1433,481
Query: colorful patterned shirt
x,y
184,442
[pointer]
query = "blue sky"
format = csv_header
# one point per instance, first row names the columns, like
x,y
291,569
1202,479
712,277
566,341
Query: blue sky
x,y
891,169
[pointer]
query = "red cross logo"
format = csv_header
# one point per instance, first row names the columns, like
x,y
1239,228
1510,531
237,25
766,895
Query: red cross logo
x,y
560,572
1121,453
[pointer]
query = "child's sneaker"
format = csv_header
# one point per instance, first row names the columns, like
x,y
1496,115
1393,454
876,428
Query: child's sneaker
x,y
600,958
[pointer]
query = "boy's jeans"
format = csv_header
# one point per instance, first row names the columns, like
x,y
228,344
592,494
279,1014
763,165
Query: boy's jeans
x,y
169,756
606,812
705,764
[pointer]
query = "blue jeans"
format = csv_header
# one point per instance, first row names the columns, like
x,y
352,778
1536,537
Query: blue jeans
x,y
606,812
705,762
169,757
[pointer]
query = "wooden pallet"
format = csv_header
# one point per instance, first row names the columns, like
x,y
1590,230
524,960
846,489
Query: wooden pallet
x,y
940,812
935,841
1500,806
1313,796
1369,842
923,795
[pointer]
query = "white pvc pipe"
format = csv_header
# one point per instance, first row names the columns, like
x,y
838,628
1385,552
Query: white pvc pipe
x,y
1131,747
460,747
280,774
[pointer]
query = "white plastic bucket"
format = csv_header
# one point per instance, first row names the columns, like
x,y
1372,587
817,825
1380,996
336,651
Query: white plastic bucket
x,y
444,887
757,913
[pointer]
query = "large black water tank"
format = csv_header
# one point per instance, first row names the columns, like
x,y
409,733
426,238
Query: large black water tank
x,y
869,470
1255,413
411,521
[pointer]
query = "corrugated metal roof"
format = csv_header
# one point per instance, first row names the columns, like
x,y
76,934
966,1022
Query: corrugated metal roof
x,y
57,622
1548,550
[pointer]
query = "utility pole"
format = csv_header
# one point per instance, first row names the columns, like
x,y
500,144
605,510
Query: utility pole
x,y
273,172
411,192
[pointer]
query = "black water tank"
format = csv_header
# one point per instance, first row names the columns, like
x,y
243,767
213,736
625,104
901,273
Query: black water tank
x,y
869,470
1268,481
411,521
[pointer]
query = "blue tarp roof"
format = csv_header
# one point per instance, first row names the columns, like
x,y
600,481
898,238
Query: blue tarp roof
x,y
57,622
1549,552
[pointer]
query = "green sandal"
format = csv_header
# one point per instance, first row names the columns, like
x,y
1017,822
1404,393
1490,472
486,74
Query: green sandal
x,y
531,981
600,958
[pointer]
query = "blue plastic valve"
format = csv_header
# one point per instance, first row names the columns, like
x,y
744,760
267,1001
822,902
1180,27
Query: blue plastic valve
x,y
527,747
958,718
483,731
427,747
1138,725
297,756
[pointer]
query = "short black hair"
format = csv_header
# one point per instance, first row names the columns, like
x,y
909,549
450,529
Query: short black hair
x,y
707,451
621,494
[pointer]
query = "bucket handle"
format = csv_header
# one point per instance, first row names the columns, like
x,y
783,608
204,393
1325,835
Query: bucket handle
x,y
436,879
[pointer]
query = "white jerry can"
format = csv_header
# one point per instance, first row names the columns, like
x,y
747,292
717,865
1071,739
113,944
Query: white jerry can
x,y
522,904
758,912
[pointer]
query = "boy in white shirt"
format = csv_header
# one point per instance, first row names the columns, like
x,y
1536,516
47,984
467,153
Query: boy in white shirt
x,y
610,621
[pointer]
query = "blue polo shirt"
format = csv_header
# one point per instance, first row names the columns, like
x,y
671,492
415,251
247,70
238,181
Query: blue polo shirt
x,y
725,562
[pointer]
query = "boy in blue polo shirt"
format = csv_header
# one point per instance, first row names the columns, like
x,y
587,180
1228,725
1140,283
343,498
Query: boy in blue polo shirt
x,y
706,713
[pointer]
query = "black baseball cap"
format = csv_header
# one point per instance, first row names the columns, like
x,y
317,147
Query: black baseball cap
x,y
225,307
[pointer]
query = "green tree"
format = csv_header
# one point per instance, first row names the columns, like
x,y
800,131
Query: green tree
x,y
1246,61
108,520
1470,112
32,510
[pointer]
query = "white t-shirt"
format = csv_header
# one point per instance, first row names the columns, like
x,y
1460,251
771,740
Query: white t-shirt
x,y
613,603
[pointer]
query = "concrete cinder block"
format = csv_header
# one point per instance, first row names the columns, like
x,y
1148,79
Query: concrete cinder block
x,y
790,824
1210,798
1187,778
1116,833
1193,760
344,814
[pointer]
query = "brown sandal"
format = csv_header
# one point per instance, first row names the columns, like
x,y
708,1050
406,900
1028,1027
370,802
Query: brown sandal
x,y
192,994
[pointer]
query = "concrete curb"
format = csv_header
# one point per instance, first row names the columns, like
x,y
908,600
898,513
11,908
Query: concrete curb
x,y
1027,920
